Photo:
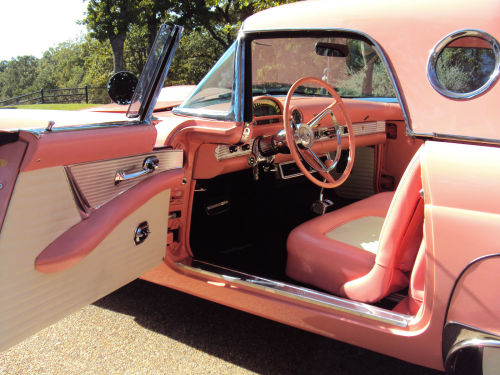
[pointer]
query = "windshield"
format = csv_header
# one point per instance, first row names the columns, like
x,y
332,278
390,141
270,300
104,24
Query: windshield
x,y
351,66
215,92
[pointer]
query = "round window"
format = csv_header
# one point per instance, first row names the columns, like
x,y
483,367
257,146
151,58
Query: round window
x,y
464,64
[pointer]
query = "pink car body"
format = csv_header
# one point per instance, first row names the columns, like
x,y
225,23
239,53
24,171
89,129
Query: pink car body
x,y
89,201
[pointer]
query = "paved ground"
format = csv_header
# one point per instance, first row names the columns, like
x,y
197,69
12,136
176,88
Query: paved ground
x,y
147,329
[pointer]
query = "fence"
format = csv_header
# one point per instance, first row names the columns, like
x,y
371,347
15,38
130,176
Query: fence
x,y
50,96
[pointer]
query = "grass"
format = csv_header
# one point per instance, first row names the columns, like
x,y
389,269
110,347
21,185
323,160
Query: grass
x,y
63,107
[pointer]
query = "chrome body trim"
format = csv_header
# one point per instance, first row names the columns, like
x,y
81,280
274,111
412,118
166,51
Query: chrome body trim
x,y
239,68
436,51
94,183
37,132
299,294
478,363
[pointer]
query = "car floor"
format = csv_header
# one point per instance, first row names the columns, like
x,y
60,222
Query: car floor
x,y
243,224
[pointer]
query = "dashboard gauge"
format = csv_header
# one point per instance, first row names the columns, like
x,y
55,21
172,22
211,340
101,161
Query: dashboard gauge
x,y
266,107
296,117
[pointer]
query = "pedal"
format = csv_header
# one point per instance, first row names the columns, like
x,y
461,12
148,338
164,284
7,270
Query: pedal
x,y
320,207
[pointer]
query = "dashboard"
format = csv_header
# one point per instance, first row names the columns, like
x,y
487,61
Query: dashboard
x,y
369,124
268,120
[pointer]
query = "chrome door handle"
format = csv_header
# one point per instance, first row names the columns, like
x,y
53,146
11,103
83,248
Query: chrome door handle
x,y
148,166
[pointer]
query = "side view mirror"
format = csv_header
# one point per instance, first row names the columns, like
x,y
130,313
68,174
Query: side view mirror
x,y
121,87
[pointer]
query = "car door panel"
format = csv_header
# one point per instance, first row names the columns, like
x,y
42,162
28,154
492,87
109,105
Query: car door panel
x,y
95,250
81,239
87,145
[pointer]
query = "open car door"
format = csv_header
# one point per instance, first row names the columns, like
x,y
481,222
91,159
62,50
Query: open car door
x,y
83,209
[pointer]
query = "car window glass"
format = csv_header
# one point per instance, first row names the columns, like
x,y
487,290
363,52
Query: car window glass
x,y
465,65
351,66
215,91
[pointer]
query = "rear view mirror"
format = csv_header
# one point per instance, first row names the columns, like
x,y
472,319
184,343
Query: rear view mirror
x,y
331,49
121,87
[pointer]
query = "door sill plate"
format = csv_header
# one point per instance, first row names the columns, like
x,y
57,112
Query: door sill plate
x,y
299,293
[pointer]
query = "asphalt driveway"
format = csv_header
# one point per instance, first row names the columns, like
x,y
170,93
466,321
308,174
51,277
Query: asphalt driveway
x,y
147,329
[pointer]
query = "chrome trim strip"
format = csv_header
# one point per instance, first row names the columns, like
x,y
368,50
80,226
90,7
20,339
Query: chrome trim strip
x,y
239,95
299,293
478,344
37,132
436,51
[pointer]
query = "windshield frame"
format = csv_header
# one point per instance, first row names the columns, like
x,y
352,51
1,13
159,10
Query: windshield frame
x,y
242,108
317,32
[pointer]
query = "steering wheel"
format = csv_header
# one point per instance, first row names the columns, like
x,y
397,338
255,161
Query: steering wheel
x,y
300,137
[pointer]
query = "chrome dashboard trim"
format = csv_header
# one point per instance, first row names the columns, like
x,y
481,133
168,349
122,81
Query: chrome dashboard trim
x,y
94,182
299,294
222,152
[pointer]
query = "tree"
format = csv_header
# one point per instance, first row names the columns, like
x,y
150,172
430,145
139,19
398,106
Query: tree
x,y
61,66
151,14
111,20
194,57
220,18
18,76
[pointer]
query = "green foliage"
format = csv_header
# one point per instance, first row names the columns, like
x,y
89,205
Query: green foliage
x,y
61,67
210,28
18,76
464,69
111,20
221,19
194,57
108,18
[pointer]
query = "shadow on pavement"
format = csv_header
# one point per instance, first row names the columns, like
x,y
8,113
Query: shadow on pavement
x,y
248,341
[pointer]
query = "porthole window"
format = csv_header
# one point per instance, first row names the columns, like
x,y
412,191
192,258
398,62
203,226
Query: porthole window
x,y
464,64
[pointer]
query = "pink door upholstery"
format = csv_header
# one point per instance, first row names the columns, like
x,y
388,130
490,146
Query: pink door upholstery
x,y
331,252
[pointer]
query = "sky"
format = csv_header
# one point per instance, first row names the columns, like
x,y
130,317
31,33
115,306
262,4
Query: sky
x,y
30,27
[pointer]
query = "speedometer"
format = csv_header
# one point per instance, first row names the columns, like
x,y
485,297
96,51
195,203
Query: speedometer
x,y
266,107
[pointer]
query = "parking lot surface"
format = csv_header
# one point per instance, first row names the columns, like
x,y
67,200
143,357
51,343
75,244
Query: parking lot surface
x,y
148,329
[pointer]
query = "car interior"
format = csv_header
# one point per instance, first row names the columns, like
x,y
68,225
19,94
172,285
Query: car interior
x,y
255,212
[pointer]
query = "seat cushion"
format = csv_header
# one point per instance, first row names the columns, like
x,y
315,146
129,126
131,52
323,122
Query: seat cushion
x,y
320,249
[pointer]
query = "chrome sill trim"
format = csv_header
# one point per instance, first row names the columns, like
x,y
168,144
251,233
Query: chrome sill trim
x,y
299,293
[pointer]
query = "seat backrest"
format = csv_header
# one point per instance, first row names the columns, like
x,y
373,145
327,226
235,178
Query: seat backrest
x,y
399,241
402,230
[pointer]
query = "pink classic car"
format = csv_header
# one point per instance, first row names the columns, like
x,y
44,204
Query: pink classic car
x,y
337,170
